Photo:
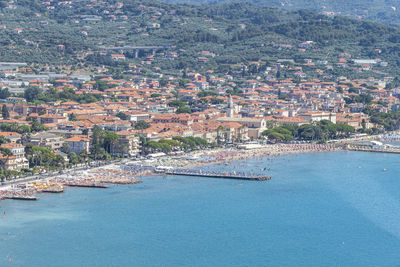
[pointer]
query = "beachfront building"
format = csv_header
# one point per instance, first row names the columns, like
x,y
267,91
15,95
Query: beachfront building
x,y
357,120
18,160
78,143
255,125
45,139
127,146
233,132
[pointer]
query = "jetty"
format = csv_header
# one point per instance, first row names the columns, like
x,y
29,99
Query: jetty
x,y
23,197
380,148
92,185
390,151
224,175
53,190
47,187
18,194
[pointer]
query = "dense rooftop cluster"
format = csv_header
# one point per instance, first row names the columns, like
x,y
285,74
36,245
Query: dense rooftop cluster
x,y
89,80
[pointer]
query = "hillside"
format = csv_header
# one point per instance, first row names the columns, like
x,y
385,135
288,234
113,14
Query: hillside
x,y
77,33
383,11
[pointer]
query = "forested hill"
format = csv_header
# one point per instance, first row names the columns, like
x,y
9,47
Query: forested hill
x,y
383,11
77,31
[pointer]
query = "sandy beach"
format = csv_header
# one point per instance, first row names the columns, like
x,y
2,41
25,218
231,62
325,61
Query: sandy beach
x,y
126,171
225,155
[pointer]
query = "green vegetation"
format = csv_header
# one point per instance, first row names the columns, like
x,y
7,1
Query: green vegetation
x,y
182,106
75,159
206,93
4,112
225,30
37,95
4,93
191,142
280,133
362,98
141,125
40,156
184,109
102,85
162,145
176,143
122,116
177,103
320,131
5,151
380,11
390,121
22,129
103,143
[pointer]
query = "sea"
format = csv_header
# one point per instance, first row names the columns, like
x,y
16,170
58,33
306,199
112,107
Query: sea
x,y
319,209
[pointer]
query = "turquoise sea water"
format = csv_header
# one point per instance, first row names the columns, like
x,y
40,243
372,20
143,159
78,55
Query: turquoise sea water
x,y
322,209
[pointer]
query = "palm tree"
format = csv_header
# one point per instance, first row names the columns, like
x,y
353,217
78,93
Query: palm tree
x,y
239,138
219,130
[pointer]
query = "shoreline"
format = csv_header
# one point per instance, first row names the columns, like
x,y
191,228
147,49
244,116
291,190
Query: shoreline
x,y
122,173
224,155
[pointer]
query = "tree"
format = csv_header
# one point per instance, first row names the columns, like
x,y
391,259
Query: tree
x,y
4,112
83,155
73,158
306,132
36,126
59,161
176,103
4,93
5,151
72,117
163,82
220,129
32,93
279,134
143,143
65,147
110,140
103,143
141,125
3,140
40,156
97,141
216,101
102,85
184,109
122,116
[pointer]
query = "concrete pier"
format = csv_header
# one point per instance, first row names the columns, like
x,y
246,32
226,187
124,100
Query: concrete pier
x,y
220,175
390,149
23,197
87,185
